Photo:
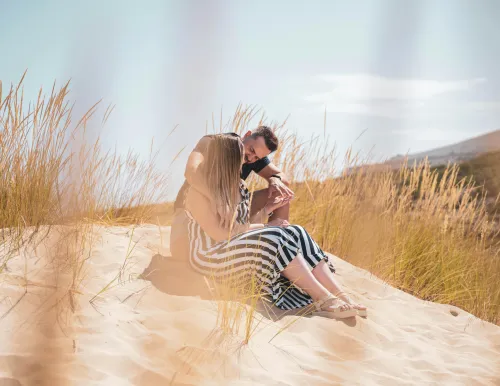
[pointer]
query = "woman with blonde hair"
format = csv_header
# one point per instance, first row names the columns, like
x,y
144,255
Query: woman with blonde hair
x,y
290,266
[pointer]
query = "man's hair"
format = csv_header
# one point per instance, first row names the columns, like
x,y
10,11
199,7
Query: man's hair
x,y
269,137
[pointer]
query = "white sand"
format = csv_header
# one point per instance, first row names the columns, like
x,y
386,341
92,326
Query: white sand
x,y
135,334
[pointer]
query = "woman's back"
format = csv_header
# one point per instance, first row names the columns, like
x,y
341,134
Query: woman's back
x,y
201,209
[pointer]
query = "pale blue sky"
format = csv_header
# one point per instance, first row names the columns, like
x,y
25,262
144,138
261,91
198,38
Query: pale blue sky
x,y
414,74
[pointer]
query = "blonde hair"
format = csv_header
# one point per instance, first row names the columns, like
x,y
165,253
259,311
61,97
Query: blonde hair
x,y
223,169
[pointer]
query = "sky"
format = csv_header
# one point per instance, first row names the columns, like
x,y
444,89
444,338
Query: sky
x,y
407,76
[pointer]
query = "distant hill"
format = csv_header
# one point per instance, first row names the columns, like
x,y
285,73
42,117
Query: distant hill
x,y
478,158
456,153
485,172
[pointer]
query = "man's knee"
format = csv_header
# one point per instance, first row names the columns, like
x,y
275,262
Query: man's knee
x,y
259,200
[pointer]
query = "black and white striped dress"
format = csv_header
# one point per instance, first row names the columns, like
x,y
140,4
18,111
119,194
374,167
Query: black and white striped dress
x,y
262,254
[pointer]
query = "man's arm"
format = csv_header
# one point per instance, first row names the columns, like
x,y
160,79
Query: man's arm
x,y
270,170
280,184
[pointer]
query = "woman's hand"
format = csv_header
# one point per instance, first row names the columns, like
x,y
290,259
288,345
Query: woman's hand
x,y
278,222
274,203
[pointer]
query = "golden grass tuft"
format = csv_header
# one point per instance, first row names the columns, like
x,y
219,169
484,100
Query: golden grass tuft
x,y
56,186
425,231
53,175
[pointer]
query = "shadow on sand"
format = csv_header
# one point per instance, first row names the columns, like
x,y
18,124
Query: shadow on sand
x,y
173,276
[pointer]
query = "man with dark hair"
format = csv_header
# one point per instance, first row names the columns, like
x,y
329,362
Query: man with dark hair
x,y
258,145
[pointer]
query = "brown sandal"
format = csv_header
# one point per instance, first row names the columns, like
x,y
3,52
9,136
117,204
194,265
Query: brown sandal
x,y
333,307
363,312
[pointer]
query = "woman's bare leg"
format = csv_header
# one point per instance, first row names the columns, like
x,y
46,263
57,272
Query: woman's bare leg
x,y
301,276
324,276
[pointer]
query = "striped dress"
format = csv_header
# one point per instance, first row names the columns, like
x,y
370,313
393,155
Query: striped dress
x,y
256,254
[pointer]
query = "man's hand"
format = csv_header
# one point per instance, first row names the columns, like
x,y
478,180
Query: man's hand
x,y
279,189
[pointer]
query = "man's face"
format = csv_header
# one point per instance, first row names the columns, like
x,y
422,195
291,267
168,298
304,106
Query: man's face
x,y
255,148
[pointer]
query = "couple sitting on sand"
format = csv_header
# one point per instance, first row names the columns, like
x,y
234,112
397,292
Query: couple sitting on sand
x,y
233,238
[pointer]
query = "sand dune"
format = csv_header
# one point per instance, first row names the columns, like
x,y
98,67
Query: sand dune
x,y
161,331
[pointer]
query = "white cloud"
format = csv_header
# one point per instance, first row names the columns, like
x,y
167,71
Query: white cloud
x,y
432,134
485,105
386,97
362,87
380,109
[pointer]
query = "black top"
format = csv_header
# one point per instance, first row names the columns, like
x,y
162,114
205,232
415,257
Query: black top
x,y
246,169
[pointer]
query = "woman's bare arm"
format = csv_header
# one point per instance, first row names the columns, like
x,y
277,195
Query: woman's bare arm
x,y
193,173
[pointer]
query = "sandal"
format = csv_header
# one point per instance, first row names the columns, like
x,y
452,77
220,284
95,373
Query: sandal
x,y
333,307
361,309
